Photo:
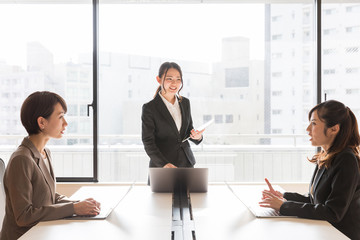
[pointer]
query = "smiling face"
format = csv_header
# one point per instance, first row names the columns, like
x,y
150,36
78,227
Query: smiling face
x,y
55,125
171,83
319,133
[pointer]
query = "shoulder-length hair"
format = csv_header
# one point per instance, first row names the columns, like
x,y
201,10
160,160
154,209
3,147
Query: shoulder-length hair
x,y
164,68
331,113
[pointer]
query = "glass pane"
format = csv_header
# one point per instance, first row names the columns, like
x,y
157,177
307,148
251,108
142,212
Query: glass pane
x,y
250,68
341,54
42,47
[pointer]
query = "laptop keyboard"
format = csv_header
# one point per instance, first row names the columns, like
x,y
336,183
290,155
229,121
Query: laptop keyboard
x,y
265,212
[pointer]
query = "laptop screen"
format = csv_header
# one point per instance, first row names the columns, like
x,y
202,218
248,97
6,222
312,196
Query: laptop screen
x,y
170,179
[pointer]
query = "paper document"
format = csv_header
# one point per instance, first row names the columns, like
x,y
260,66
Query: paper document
x,y
205,125
202,127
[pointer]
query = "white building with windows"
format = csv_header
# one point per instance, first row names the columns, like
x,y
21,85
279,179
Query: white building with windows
x,y
292,54
291,50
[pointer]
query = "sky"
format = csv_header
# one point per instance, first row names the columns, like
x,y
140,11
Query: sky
x,y
187,31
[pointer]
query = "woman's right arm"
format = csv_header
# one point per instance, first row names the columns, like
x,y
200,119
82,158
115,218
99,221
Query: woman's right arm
x,y
296,197
275,199
290,196
342,180
148,137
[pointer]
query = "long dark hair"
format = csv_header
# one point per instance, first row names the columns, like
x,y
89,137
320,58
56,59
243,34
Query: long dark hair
x,y
164,68
331,113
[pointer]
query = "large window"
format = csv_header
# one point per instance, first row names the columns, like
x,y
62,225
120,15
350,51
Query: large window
x,y
231,65
41,48
249,66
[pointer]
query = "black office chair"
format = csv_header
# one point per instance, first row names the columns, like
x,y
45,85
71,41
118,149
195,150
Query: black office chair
x,y
2,192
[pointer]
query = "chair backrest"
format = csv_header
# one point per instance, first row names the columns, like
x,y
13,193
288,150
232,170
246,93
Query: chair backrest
x,y
2,192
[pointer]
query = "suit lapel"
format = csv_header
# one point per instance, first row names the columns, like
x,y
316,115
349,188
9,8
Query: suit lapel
x,y
313,178
317,177
165,113
183,120
50,165
48,178
41,164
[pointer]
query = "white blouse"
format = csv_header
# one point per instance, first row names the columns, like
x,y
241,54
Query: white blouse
x,y
174,110
46,161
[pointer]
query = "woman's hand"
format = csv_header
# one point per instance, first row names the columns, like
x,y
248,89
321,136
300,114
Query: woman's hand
x,y
271,200
196,135
271,189
87,207
169,165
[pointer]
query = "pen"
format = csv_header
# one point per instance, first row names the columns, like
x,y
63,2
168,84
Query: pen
x,y
185,139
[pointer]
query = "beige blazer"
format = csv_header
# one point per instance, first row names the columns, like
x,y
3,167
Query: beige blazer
x,y
30,192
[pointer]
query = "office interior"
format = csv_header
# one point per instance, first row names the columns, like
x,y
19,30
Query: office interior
x,y
255,67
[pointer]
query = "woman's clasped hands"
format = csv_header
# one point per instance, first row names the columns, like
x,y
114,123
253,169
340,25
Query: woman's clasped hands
x,y
271,198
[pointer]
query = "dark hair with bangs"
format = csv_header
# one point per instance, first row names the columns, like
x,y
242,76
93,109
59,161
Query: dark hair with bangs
x,y
331,113
39,104
162,73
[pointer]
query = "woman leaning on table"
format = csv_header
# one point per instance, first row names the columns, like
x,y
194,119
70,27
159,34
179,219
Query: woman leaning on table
x,y
29,179
334,192
167,122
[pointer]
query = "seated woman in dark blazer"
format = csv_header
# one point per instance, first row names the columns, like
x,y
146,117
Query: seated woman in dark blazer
x,y
334,192
167,122
29,179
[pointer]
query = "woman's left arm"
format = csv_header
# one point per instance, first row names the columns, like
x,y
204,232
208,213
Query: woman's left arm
x,y
343,183
63,199
195,136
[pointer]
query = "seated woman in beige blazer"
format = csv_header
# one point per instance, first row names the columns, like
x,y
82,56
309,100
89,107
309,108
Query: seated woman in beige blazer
x,y
29,179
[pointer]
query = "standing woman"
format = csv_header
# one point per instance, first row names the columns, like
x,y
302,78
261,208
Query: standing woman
x,y
167,122
334,192
29,179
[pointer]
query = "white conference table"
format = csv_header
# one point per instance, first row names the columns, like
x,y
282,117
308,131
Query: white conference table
x,y
140,215
218,215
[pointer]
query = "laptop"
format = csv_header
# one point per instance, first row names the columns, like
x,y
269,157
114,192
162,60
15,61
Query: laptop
x,y
108,196
166,180
252,204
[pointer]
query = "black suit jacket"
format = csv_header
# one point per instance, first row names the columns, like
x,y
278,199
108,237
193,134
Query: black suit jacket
x,y
336,196
161,138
